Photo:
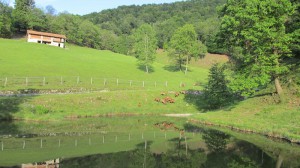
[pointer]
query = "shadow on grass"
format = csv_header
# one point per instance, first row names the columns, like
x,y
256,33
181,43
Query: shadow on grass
x,y
175,68
143,144
197,98
172,68
143,68
9,106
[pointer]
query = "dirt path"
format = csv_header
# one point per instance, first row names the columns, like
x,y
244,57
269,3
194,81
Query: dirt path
x,y
177,115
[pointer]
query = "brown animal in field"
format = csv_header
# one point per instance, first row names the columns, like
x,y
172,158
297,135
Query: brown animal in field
x,y
157,99
169,100
163,101
162,93
176,94
182,92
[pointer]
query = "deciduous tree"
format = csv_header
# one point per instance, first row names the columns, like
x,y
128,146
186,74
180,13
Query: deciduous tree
x,y
257,27
185,45
145,45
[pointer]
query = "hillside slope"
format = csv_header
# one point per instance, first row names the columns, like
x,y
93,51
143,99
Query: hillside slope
x,y
21,59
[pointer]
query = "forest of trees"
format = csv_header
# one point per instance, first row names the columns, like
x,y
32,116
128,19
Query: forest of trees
x,y
113,29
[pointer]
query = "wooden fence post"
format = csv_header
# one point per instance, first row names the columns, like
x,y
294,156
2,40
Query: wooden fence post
x,y
44,81
116,138
186,147
24,144
41,143
61,80
5,82
2,146
59,143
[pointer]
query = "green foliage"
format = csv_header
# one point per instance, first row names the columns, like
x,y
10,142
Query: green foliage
x,y
215,140
37,20
185,45
124,44
257,27
103,31
165,18
216,93
293,28
22,14
40,110
145,45
5,20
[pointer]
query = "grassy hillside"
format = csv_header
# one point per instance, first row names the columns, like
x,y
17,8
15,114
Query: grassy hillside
x,y
22,59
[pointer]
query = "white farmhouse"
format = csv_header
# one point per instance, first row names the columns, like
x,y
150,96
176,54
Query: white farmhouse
x,y
57,40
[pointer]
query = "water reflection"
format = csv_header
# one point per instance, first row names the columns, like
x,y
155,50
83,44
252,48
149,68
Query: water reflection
x,y
208,148
217,151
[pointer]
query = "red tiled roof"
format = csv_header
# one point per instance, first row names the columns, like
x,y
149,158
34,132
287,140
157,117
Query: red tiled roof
x,y
46,34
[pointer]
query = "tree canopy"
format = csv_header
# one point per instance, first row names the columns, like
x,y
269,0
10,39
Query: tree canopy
x,y
255,34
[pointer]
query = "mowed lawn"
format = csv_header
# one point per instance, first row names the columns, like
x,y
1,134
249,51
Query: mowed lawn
x,y
21,59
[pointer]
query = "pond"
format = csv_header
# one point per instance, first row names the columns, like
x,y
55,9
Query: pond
x,y
137,142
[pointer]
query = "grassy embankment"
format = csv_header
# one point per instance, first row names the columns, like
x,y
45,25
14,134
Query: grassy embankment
x,y
259,114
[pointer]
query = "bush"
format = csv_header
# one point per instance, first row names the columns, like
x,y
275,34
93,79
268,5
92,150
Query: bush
x,y
40,110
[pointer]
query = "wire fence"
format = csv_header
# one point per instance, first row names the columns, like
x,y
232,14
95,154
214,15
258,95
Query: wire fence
x,y
83,83
69,141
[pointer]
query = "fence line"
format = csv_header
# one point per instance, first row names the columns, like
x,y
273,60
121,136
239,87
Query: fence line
x,y
76,81
60,142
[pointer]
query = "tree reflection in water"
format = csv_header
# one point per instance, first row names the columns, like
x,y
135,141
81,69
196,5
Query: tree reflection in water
x,y
220,150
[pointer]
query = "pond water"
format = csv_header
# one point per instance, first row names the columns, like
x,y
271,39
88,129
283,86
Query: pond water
x,y
138,142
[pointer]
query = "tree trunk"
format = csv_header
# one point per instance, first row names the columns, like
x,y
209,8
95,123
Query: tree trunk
x,y
186,66
147,69
279,161
278,87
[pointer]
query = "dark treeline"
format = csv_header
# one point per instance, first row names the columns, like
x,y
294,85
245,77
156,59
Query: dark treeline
x,y
112,29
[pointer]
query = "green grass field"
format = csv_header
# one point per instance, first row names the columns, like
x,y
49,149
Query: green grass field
x,y
20,59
